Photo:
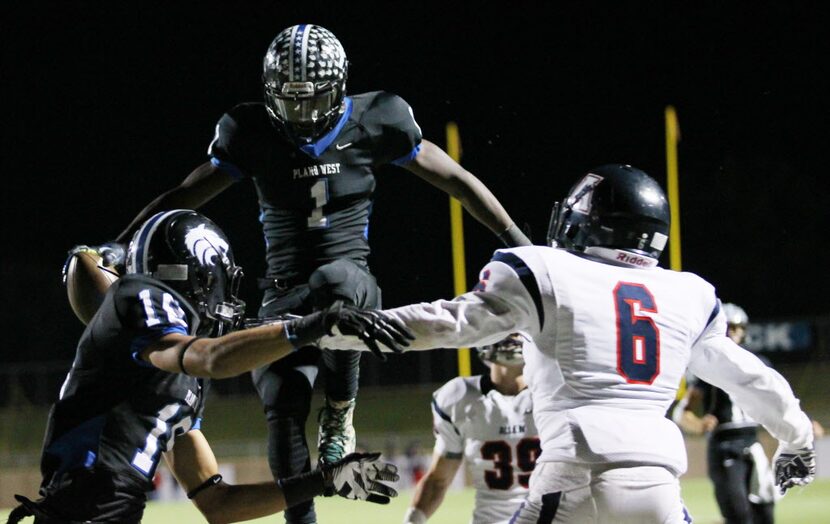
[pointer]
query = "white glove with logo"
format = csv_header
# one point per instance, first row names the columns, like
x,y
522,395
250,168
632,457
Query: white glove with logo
x,y
358,476
794,467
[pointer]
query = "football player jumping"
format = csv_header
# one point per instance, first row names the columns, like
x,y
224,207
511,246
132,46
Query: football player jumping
x,y
135,388
614,334
312,153
486,421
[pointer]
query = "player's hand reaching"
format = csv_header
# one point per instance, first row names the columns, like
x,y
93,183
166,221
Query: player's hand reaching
x,y
359,476
794,467
370,326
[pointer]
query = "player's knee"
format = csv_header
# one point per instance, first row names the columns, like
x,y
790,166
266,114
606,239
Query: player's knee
x,y
286,392
343,280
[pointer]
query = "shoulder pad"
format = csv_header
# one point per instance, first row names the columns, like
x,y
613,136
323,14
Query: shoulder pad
x,y
456,392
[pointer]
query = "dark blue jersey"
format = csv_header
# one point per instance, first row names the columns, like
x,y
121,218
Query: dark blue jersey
x,y
116,413
315,199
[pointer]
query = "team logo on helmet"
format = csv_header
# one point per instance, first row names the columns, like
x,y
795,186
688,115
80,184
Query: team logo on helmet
x,y
206,245
580,200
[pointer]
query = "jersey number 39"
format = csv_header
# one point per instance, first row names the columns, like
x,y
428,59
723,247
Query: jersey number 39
x,y
500,452
638,338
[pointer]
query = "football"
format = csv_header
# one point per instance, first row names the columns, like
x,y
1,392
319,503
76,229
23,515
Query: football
x,y
87,281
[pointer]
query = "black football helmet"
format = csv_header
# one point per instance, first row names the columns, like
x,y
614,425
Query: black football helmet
x,y
189,253
614,206
304,77
506,352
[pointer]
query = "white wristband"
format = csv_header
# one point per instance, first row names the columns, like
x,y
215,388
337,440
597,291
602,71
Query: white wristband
x,y
414,516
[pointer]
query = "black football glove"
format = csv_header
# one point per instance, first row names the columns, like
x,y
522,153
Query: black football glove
x,y
358,476
794,467
370,326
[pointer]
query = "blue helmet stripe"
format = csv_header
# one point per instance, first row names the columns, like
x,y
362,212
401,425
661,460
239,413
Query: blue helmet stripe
x,y
142,239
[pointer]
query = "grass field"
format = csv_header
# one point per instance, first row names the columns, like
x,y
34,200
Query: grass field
x,y
810,505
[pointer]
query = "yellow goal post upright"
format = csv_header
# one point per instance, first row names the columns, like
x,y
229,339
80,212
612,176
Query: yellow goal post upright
x,y
673,190
459,266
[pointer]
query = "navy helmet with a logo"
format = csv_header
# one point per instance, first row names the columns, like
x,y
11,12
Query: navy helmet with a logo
x,y
189,253
615,207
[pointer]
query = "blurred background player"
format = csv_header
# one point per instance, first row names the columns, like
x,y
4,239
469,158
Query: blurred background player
x,y
487,422
613,334
312,153
743,480
135,387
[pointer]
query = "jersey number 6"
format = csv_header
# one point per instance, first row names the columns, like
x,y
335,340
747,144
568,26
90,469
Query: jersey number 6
x,y
638,339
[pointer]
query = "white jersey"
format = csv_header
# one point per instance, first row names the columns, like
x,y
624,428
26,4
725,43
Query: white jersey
x,y
495,435
612,343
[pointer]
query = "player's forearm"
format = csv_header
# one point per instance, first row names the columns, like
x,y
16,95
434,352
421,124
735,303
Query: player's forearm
x,y
237,503
436,167
429,494
203,183
758,389
237,352
453,323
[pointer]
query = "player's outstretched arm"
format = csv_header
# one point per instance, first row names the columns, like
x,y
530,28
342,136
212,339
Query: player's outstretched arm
x,y
200,186
431,489
756,388
436,167
500,305
244,350
193,464
359,476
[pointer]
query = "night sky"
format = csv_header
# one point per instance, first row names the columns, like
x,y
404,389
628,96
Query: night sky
x,y
105,105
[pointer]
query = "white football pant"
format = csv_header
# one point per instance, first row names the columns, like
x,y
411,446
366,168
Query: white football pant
x,y
561,492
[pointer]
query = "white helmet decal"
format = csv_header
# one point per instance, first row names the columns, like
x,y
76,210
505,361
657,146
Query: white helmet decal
x,y
580,201
205,244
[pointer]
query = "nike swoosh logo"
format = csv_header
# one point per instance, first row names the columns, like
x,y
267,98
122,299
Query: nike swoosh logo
x,y
341,147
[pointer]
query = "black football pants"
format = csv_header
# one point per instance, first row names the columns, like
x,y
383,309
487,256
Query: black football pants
x,y
285,387
730,468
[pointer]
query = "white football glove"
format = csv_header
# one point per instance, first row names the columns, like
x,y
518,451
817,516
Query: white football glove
x,y
794,467
357,476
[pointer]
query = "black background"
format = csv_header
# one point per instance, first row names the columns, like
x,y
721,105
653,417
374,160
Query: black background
x,y
105,105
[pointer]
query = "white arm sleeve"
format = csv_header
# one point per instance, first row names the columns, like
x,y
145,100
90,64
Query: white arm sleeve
x,y
448,437
499,305
756,388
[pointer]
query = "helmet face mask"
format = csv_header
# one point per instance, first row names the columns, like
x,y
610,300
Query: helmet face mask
x,y
304,81
189,253
616,207
506,352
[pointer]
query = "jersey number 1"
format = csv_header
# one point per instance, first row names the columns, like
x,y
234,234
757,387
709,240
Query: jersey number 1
x,y
638,339
320,196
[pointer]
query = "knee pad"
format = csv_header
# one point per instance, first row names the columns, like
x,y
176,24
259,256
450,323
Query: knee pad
x,y
286,392
343,280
